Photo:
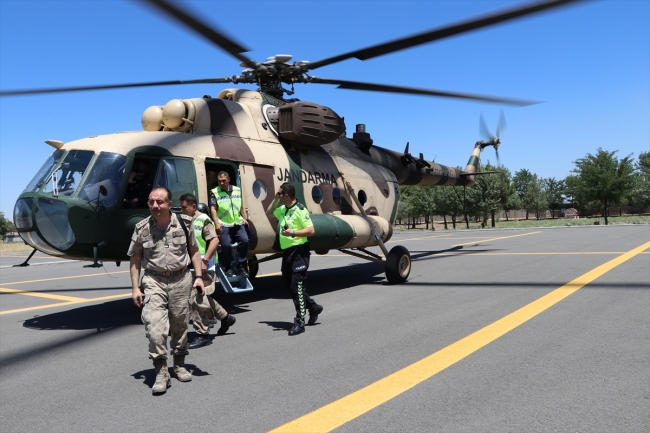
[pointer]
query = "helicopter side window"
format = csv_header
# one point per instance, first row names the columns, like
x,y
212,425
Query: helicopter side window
x,y
178,176
107,171
363,199
336,196
43,175
67,176
259,189
317,194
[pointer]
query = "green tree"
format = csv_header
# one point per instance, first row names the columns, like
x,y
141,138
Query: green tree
x,y
554,193
521,180
508,199
639,196
604,178
484,197
424,203
6,226
449,201
536,196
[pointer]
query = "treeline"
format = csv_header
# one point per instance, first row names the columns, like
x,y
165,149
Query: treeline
x,y
597,184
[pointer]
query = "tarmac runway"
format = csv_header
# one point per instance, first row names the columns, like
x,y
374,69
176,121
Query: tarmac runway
x,y
535,330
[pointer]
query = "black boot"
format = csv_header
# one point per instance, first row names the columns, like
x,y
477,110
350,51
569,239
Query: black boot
x,y
226,324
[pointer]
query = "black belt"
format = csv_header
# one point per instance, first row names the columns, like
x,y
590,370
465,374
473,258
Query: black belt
x,y
166,273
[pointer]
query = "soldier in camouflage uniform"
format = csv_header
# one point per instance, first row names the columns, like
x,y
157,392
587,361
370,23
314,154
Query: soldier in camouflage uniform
x,y
159,245
204,308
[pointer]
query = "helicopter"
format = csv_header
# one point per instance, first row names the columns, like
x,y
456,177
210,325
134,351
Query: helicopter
x,y
81,204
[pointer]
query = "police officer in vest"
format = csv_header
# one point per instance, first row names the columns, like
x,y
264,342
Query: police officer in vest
x,y
294,227
163,246
228,214
204,308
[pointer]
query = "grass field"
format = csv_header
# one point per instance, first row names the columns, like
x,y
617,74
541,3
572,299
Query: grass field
x,y
14,247
532,223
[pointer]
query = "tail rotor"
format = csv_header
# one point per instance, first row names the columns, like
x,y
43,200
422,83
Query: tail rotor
x,y
492,140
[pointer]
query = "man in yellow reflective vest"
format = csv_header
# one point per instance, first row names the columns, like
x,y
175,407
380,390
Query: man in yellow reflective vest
x,y
230,221
294,227
204,308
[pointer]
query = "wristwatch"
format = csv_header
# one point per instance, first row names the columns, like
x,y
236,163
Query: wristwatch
x,y
198,276
293,233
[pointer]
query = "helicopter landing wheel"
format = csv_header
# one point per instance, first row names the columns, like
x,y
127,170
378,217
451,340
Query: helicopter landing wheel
x,y
398,265
253,266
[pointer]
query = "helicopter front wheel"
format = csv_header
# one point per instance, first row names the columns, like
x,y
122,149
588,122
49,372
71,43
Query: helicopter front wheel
x,y
398,265
253,266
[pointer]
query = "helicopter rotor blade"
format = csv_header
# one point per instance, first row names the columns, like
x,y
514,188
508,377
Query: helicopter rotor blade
x,y
443,32
354,85
502,124
483,129
218,38
112,86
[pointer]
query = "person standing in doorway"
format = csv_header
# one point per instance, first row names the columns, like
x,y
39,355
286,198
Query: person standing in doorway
x,y
230,221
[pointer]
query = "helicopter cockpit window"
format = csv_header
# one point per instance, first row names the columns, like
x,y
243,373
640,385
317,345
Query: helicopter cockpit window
x,y
43,174
107,171
178,176
317,194
66,178
336,196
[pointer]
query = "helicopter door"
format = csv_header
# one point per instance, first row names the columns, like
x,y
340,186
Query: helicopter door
x,y
214,167
177,175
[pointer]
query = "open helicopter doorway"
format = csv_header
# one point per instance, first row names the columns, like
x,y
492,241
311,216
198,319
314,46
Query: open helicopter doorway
x,y
214,167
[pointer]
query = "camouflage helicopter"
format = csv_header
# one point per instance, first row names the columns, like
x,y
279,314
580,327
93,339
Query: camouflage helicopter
x,y
80,204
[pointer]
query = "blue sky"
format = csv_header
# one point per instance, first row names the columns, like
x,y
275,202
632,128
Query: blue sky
x,y
589,63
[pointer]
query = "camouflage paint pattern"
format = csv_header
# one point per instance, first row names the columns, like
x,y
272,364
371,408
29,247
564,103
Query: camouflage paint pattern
x,y
233,128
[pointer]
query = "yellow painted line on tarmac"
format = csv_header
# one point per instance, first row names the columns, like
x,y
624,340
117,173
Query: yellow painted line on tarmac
x,y
419,239
63,278
39,307
41,295
494,239
344,410
73,300
581,253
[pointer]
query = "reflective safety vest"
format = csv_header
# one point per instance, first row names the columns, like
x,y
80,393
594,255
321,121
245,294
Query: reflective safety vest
x,y
229,206
197,226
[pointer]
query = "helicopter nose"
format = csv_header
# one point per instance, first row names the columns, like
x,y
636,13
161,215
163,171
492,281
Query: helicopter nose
x,y
43,223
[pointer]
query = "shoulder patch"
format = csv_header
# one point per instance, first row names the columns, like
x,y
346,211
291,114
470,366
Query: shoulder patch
x,y
143,223
300,205
187,219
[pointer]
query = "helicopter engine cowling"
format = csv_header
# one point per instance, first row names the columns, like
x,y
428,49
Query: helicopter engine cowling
x,y
177,115
309,123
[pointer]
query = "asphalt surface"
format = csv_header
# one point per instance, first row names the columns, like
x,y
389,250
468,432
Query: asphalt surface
x,y
73,358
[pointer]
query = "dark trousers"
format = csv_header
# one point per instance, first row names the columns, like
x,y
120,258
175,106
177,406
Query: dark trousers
x,y
295,262
238,233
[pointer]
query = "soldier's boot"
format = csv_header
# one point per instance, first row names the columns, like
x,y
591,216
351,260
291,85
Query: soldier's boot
x,y
179,368
163,380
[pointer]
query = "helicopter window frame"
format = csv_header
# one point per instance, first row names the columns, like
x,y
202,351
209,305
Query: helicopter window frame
x,y
189,162
112,184
337,197
317,194
363,197
39,179
262,190
74,154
